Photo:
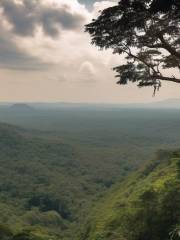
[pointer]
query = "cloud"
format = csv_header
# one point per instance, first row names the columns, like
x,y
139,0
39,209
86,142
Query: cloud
x,y
27,27
101,5
26,16
89,3
12,57
61,78
87,72
38,34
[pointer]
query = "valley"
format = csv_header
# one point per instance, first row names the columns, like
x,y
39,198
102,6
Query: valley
x,y
57,166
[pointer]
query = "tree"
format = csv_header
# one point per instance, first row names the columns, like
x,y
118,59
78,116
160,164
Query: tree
x,y
147,33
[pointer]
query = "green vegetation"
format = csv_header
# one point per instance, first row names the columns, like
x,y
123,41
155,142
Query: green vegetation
x,y
144,206
59,166
46,185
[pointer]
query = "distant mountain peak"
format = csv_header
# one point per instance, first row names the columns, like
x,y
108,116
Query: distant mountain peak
x,y
21,107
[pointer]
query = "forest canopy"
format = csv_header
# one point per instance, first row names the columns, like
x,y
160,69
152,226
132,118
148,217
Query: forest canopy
x,y
147,33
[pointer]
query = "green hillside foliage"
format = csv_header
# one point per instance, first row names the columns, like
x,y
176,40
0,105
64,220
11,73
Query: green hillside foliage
x,y
59,165
145,206
47,186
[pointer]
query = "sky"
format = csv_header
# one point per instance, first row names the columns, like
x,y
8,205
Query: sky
x,y
45,56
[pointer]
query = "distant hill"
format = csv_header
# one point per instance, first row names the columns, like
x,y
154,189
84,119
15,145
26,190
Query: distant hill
x,y
168,103
21,107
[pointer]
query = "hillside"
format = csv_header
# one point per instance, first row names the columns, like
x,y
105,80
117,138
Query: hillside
x,y
145,206
51,181
46,185
36,182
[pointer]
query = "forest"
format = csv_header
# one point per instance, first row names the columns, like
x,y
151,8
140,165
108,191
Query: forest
x,y
89,173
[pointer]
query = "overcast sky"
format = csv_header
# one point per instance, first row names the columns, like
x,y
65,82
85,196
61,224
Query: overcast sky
x,y
46,56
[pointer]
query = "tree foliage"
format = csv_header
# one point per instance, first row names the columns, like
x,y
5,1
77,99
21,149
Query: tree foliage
x,y
145,206
147,32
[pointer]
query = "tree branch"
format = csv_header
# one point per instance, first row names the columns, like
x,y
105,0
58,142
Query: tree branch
x,y
139,59
171,79
168,47
158,45
155,76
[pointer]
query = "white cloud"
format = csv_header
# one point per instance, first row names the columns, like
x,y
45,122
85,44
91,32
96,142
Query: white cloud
x,y
99,6
66,62
87,67
87,72
72,46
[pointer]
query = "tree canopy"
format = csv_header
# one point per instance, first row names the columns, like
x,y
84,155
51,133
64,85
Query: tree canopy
x,y
147,33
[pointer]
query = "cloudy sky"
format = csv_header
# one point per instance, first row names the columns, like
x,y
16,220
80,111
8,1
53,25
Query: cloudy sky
x,y
46,56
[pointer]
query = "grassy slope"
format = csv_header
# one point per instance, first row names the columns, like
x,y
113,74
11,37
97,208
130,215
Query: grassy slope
x,y
145,206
